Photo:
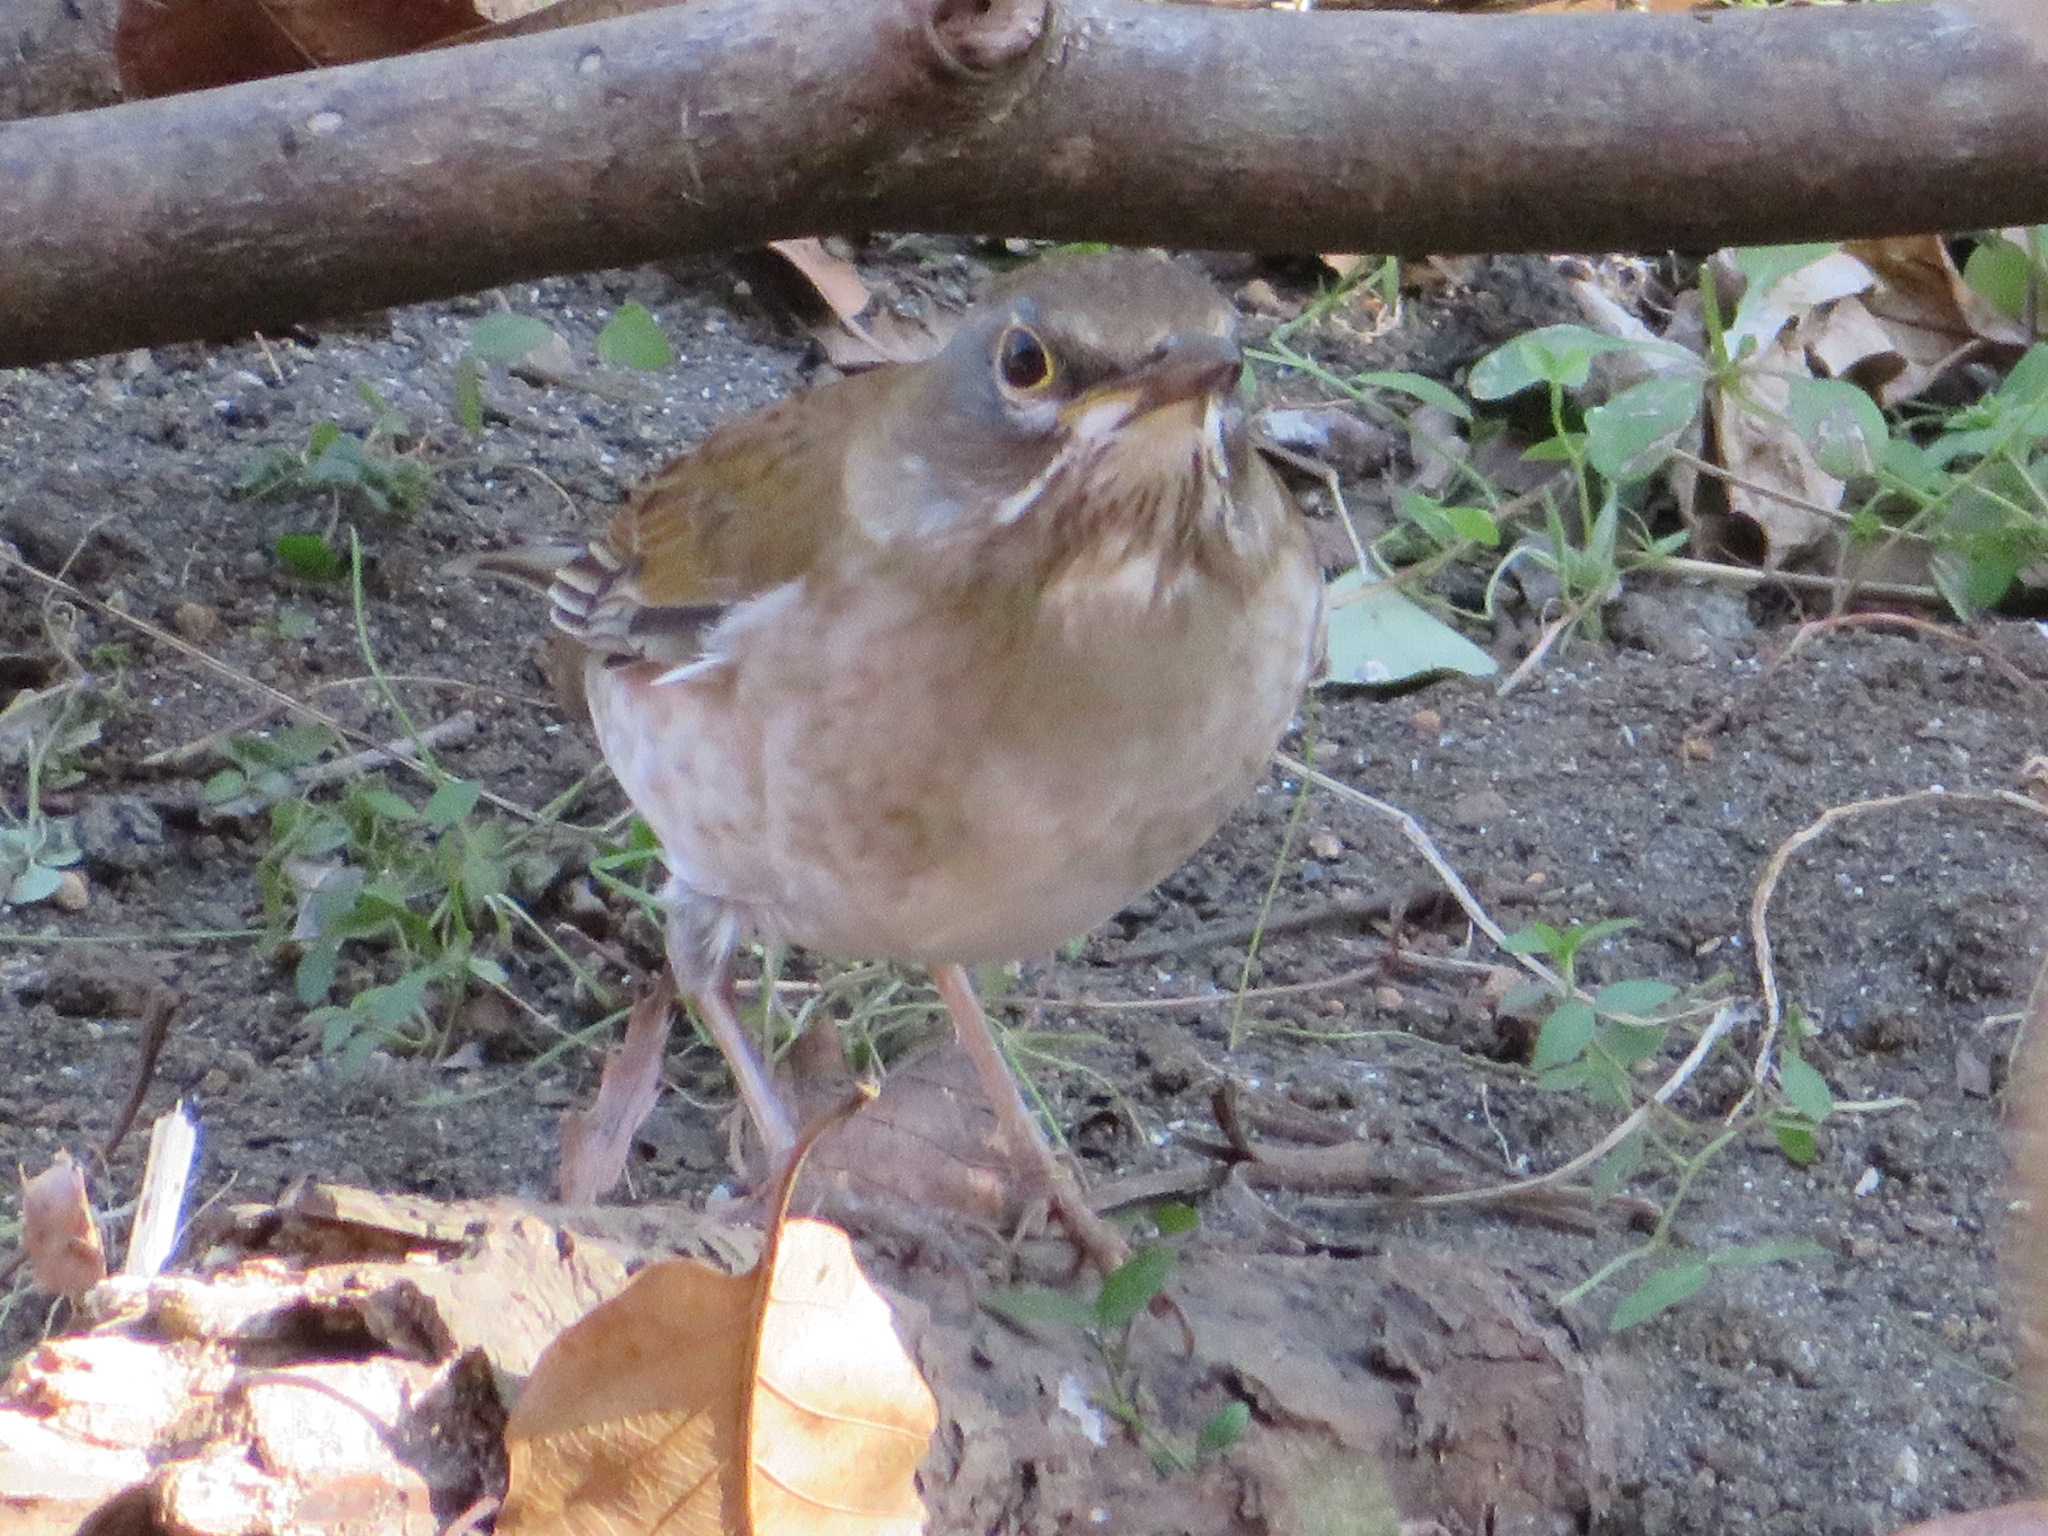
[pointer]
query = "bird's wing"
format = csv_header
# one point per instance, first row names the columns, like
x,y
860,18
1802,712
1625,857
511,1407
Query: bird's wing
x,y
759,503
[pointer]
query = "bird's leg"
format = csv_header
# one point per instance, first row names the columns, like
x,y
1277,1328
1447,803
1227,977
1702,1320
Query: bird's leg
x,y
1100,1241
705,973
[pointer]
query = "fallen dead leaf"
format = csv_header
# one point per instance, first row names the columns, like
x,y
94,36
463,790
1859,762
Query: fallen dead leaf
x,y
799,1410
1763,454
58,1231
1934,320
833,303
597,1141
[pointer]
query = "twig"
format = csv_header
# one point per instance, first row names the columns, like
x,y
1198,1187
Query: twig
x,y
1757,576
277,696
159,1008
456,730
1338,912
199,746
1722,1022
1412,830
1774,869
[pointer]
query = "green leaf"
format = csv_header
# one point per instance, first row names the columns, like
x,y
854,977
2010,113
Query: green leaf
x,y
313,979
1632,435
1974,581
632,339
1175,1219
1475,524
336,1028
1840,424
1630,1044
1129,1288
385,804
398,1004
1561,449
1796,1140
1554,354
1999,272
1029,1304
1620,1165
1763,267
1534,939
1805,1089
37,883
469,395
486,970
1226,1426
1564,1036
1661,1292
223,786
309,557
506,337
1639,998
1592,933
1381,636
452,801
1428,391
1783,1250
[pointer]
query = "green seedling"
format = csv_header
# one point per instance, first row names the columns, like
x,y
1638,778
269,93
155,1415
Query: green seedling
x,y
1106,1321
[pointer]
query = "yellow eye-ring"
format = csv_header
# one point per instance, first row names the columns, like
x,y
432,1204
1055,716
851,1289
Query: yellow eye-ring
x,y
1022,362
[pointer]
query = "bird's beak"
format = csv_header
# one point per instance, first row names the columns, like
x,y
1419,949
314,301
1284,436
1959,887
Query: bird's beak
x,y
1191,366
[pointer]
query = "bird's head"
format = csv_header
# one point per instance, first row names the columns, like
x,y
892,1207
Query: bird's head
x,y
1084,416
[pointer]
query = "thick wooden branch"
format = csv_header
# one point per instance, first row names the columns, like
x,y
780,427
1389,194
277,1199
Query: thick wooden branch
x,y
724,123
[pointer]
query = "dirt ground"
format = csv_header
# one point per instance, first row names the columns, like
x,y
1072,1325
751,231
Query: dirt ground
x,y
1650,778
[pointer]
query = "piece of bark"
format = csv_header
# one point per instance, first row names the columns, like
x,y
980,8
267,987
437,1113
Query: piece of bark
x,y
726,123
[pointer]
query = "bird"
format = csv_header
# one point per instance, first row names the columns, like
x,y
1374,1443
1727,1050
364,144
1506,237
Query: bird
x,y
947,662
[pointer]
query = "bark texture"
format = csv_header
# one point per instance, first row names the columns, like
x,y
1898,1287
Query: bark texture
x,y
725,123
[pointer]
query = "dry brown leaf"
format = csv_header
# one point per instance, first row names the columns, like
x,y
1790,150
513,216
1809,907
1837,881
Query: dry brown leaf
x,y
1933,318
57,1230
834,281
830,300
798,1412
1757,445
597,1141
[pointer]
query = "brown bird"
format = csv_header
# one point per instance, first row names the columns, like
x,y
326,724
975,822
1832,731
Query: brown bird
x,y
947,662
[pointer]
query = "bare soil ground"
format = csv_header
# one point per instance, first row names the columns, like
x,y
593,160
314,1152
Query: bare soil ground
x,y
1649,778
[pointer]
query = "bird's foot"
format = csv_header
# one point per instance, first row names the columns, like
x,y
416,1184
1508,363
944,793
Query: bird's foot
x,y
1058,1195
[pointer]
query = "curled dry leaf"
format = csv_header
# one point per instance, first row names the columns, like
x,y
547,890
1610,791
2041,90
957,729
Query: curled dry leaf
x,y
795,1410
1931,317
597,1141
836,307
58,1231
1763,455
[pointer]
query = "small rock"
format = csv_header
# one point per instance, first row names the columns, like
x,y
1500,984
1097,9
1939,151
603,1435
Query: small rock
x,y
1325,845
195,621
1480,807
1389,998
121,834
1426,722
72,893
1261,297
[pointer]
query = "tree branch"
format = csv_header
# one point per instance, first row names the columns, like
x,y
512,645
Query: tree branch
x,y
725,123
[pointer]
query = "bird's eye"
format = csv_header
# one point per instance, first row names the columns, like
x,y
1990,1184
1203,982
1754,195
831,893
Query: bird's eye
x,y
1022,361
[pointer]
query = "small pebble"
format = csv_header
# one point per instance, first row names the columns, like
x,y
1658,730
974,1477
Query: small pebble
x,y
72,893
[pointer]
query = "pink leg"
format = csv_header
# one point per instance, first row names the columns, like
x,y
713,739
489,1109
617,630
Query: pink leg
x,y
1096,1237
713,996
